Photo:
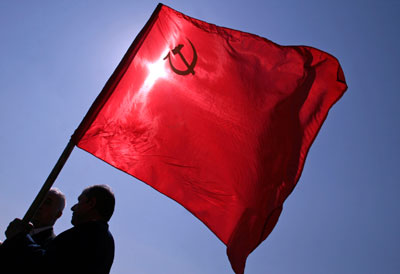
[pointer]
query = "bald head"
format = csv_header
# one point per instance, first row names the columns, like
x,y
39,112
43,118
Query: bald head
x,y
50,210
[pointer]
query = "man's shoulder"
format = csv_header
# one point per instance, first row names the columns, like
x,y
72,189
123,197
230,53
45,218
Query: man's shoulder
x,y
89,229
89,241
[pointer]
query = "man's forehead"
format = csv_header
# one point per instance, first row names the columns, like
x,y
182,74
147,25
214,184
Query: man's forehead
x,y
83,195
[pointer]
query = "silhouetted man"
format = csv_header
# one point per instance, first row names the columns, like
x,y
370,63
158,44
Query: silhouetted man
x,y
88,247
46,216
42,233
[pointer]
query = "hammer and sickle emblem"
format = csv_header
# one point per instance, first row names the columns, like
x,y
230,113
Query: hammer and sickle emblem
x,y
190,67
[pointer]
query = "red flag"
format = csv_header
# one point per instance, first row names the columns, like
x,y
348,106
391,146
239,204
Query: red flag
x,y
219,120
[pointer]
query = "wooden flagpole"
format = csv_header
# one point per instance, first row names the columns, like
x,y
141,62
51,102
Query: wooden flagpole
x,y
49,182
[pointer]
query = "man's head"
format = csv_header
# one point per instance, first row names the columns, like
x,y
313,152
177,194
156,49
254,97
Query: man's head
x,y
96,203
50,210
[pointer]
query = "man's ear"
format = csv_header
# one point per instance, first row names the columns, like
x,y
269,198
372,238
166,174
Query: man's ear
x,y
92,202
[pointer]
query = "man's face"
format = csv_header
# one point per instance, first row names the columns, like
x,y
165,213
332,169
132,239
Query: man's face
x,y
48,212
81,210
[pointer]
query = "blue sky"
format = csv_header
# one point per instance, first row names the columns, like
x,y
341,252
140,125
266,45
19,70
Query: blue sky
x,y
343,216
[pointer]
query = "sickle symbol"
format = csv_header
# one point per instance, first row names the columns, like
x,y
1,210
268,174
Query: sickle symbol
x,y
190,67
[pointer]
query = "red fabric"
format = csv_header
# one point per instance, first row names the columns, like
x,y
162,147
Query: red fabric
x,y
229,139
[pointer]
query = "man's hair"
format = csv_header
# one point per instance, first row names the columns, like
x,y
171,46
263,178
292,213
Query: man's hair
x,y
105,200
60,198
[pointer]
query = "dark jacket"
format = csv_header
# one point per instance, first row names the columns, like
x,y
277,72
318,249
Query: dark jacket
x,y
44,237
84,249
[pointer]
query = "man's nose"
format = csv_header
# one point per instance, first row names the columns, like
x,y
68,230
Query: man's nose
x,y
73,207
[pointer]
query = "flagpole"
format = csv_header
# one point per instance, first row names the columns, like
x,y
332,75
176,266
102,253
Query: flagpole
x,y
49,182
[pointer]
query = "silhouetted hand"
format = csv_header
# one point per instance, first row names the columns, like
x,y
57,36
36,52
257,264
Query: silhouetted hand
x,y
16,227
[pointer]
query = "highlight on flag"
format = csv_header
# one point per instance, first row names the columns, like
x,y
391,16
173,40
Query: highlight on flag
x,y
218,120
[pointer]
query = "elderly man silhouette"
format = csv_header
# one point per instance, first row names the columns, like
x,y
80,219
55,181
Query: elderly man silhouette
x,y
46,216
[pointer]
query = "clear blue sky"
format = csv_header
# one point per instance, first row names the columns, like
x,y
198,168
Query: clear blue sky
x,y
344,215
